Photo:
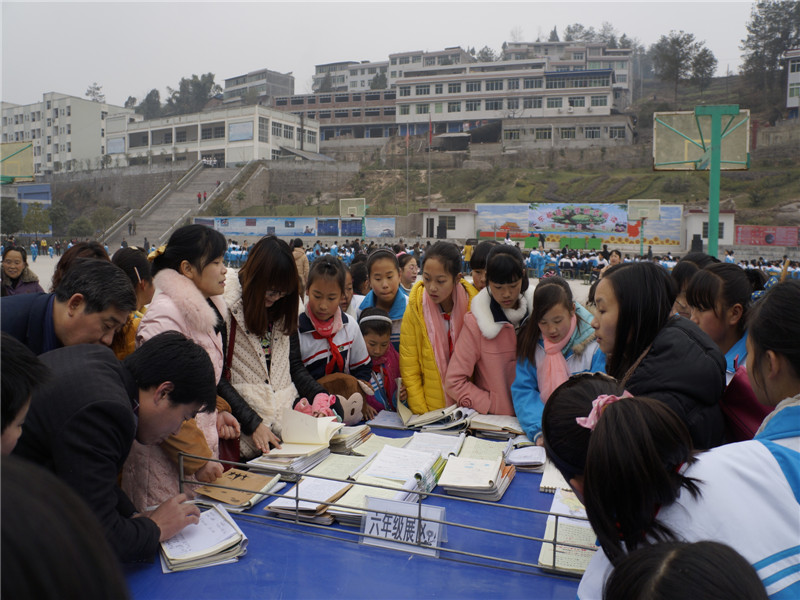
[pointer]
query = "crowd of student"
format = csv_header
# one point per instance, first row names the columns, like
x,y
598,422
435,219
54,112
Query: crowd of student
x,y
638,406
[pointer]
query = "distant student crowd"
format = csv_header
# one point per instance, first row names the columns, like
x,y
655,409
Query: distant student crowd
x,y
670,403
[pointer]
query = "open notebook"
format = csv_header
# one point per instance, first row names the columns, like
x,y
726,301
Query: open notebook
x,y
571,528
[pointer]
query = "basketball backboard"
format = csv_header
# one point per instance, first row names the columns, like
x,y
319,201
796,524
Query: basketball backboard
x,y
682,141
644,209
352,207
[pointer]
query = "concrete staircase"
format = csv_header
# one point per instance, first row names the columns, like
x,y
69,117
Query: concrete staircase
x,y
175,205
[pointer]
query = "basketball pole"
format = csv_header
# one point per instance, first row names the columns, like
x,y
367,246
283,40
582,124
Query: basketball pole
x,y
716,113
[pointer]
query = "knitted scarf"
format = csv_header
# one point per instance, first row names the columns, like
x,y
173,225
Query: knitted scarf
x,y
555,370
326,330
442,340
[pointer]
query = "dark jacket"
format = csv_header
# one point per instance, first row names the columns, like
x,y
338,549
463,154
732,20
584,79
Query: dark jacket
x,y
685,370
25,317
80,426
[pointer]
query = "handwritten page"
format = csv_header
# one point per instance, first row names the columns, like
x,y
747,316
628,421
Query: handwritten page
x,y
400,463
247,483
212,533
482,449
435,443
315,492
463,472
570,531
338,466
376,443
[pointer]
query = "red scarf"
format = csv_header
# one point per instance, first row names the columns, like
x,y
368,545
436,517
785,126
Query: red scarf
x,y
326,330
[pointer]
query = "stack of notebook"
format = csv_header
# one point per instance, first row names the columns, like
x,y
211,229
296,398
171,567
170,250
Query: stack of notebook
x,y
250,490
215,540
573,528
479,471
348,438
305,443
494,426
450,419
308,501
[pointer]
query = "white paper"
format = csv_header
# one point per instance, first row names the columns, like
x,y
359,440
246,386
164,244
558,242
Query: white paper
x,y
399,463
315,491
527,455
212,530
435,443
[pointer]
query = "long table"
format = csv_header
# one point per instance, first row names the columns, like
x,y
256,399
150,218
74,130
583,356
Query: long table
x,y
288,560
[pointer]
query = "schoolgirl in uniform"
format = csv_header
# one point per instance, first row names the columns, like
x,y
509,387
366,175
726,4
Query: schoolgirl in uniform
x,y
383,271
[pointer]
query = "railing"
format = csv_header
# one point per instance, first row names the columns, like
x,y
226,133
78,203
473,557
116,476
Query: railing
x,y
198,166
176,225
153,203
123,220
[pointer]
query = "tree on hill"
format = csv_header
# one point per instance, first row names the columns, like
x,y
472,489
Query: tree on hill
x,y
378,82
10,216
704,64
191,95
36,219
672,57
150,107
774,27
553,35
81,228
130,102
95,93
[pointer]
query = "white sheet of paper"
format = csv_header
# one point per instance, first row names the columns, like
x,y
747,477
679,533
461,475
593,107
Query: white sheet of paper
x,y
399,463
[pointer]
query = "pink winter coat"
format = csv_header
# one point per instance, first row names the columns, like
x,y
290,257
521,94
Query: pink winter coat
x,y
484,360
149,476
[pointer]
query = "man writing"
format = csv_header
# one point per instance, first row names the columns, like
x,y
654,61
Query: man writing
x,y
90,304
82,423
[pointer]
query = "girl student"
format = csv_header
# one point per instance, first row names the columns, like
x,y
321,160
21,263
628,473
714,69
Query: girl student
x,y
263,356
376,328
330,340
719,297
482,367
408,271
656,354
189,273
136,266
431,326
383,271
556,342
351,300
632,462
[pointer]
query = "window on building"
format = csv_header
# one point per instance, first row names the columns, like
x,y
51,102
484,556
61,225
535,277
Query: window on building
x,y
389,111
356,112
49,140
311,137
577,101
48,105
494,105
69,110
311,100
439,89
494,85
324,114
567,133
405,90
288,132
277,129
180,135
423,109
721,230
404,60
430,61
473,105
530,83
404,109
281,101
423,90
453,107
794,66
276,154
535,102
393,74
512,103
473,86
512,84
591,133
616,132
49,121
511,134
49,158
449,221
372,112
555,102
453,88
356,97
340,114
167,137
325,99
622,78
577,56
556,83
794,90
599,100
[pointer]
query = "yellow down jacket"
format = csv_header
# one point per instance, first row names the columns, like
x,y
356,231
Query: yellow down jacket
x,y
418,369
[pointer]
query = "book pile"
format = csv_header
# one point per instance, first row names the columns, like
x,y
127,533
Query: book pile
x,y
479,471
450,419
250,489
305,444
526,456
348,438
216,539
308,500
495,426
572,527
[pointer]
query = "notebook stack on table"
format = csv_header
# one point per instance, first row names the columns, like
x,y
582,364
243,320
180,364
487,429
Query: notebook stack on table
x,y
250,490
348,438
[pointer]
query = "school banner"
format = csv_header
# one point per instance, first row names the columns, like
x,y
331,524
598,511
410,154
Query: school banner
x,y
380,226
261,226
757,235
495,220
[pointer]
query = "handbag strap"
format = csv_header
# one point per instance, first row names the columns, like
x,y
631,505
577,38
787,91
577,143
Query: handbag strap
x,y
634,366
226,371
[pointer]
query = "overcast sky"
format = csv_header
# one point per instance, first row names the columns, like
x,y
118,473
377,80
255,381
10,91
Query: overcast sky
x,y
130,48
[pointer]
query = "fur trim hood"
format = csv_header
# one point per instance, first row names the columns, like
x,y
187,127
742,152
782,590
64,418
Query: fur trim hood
x,y
199,316
584,332
481,309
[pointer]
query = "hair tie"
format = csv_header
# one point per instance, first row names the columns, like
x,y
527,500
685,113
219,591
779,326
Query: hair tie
x,y
399,254
599,405
758,294
375,318
157,252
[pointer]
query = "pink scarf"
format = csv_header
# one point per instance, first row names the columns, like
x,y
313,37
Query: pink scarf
x,y
326,330
554,372
435,324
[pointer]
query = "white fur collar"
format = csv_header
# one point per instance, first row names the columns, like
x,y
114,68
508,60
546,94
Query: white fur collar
x,y
481,310
194,309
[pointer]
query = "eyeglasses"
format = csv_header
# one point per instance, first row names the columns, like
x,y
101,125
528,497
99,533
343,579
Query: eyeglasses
x,y
275,294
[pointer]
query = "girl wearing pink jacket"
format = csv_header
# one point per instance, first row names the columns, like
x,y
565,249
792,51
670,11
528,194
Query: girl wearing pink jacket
x,y
483,364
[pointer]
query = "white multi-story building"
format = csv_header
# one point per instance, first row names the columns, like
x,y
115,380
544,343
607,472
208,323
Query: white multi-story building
x,y
336,74
404,63
228,136
68,133
263,83
792,58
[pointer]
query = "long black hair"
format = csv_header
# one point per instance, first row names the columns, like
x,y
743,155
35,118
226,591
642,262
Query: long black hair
x,y
197,244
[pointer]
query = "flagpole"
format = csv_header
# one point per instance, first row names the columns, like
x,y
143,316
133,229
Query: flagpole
x,y
407,140
430,139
